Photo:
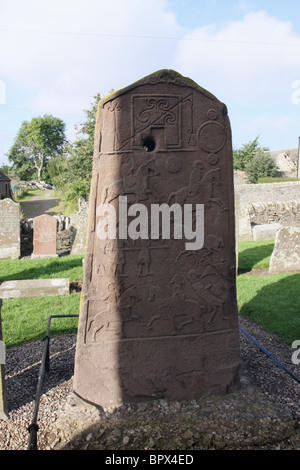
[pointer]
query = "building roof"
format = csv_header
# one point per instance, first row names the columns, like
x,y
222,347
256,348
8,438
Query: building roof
x,y
3,177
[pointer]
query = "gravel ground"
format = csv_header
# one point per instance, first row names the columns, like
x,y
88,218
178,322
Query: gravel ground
x,y
275,386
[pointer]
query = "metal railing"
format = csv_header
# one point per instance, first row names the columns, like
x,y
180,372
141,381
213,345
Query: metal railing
x,y
45,367
270,356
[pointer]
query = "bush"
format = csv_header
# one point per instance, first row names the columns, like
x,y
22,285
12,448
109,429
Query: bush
x,y
245,154
261,165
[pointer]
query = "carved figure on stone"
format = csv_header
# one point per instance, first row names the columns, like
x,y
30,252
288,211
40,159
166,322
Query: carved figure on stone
x,y
144,259
137,184
209,287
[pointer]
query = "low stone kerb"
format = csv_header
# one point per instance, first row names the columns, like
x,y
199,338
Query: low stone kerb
x,y
34,288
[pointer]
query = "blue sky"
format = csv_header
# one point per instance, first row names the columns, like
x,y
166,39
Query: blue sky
x,y
55,56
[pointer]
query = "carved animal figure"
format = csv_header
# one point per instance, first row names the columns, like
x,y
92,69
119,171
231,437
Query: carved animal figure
x,y
112,320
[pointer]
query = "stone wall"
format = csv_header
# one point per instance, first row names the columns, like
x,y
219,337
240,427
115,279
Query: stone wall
x,y
260,204
284,213
269,192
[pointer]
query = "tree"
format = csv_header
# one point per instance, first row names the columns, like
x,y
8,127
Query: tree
x,y
5,169
37,142
262,164
82,150
243,155
255,161
71,173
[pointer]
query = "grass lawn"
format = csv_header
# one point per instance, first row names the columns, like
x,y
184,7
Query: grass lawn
x,y
269,179
47,268
254,255
26,320
273,301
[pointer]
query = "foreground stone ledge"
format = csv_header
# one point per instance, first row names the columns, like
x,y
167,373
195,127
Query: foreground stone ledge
x,y
34,288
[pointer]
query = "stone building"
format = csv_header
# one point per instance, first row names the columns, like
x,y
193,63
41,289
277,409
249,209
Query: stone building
x,y
5,189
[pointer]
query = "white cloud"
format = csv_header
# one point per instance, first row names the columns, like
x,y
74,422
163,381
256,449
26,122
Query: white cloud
x,y
63,52
244,59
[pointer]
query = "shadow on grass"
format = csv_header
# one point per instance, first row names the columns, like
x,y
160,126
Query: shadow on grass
x,y
276,305
44,269
253,257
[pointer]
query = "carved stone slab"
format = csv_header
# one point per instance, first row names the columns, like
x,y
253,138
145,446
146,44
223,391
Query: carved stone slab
x,y
159,317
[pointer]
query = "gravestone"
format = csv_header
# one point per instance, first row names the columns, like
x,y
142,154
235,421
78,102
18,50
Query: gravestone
x,y
243,228
286,252
5,188
9,229
158,313
44,236
265,231
78,229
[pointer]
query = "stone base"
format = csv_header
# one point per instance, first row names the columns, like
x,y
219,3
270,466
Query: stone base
x,y
240,420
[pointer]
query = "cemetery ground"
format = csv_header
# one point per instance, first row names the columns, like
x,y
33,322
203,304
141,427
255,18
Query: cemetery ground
x,y
269,310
